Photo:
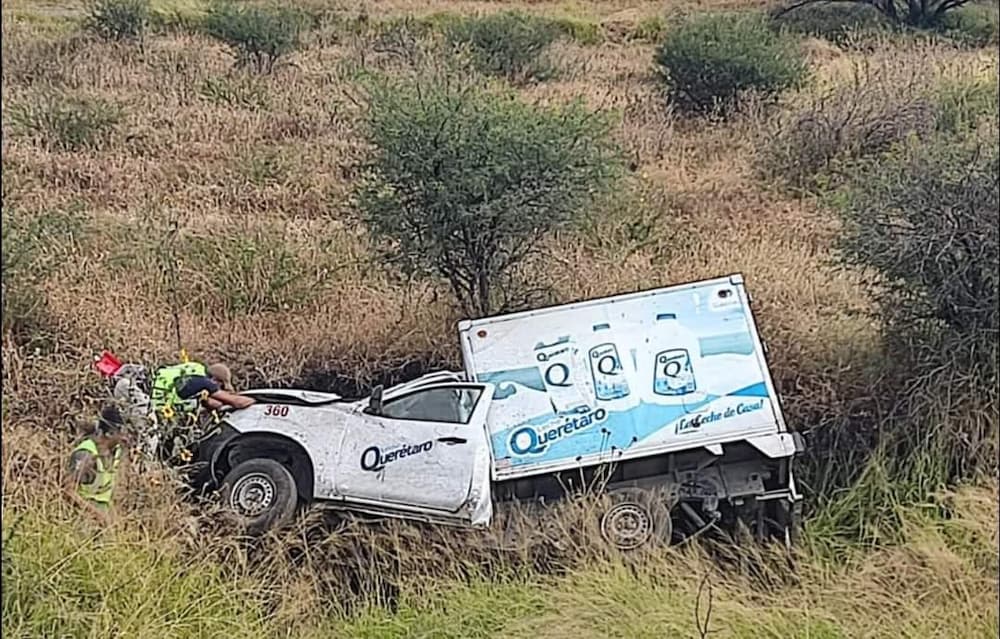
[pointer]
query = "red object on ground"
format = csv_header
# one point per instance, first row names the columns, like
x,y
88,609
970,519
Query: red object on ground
x,y
107,364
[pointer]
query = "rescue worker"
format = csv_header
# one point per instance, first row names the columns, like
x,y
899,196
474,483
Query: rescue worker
x,y
182,385
95,462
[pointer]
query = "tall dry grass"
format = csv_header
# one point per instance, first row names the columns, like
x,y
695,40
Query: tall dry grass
x,y
254,173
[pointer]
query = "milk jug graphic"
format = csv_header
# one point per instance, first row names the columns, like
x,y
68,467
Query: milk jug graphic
x,y
558,364
673,350
607,369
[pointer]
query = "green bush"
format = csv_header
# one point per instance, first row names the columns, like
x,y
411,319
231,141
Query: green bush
x,y
975,25
924,219
65,122
709,61
834,21
464,183
508,44
257,36
118,20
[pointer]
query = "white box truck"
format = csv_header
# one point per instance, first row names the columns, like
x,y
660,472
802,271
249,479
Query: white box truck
x,y
662,398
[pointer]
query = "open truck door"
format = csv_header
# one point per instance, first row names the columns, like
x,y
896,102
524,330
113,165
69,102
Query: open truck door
x,y
422,448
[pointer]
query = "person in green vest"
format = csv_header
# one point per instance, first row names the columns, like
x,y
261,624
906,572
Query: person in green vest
x,y
95,463
181,386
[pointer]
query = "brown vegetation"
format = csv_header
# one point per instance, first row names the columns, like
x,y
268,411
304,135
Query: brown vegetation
x,y
254,172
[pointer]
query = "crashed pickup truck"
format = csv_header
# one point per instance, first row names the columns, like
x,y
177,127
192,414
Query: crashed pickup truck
x,y
660,398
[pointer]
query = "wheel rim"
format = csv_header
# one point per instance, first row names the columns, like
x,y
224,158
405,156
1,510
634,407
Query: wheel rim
x,y
252,494
627,525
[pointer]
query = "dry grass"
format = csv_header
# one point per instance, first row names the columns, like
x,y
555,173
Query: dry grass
x,y
268,162
181,572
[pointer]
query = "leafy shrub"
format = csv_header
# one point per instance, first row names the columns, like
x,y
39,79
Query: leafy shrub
x,y
834,21
709,61
65,122
924,218
976,25
257,36
464,183
507,44
118,20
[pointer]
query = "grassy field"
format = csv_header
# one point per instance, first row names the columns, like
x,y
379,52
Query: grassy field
x,y
250,176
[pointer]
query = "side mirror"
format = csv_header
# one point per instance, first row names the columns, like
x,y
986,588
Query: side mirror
x,y
375,401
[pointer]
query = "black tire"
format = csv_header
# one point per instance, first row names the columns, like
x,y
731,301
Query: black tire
x,y
262,493
636,517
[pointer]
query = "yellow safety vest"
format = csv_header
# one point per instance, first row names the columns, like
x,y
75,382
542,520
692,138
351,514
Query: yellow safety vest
x,y
99,491
165,399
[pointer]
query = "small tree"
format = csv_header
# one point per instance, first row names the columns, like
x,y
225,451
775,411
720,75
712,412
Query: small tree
x,y
118,20
258,36
709,61
464,182
926,220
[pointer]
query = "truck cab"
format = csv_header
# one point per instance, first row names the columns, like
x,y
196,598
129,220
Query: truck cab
x,y
418,450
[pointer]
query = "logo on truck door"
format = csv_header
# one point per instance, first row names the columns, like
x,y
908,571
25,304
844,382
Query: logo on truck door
x,y
374,460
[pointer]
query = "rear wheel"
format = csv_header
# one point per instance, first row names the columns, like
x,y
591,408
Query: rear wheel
x,y
262,493
636,517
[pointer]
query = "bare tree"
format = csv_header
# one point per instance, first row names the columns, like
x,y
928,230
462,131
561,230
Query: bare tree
x,y
913,13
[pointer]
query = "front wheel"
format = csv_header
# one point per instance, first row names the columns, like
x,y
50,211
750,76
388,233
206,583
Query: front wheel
x,y
262,493
636,517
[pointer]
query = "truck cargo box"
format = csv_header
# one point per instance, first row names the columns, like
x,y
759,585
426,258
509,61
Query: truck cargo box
x,y
623,377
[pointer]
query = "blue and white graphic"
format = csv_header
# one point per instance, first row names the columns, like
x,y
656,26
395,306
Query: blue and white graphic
x,y
628,373
606,369
559,364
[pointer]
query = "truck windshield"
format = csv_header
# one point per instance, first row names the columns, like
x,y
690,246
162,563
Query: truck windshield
x,y
450,405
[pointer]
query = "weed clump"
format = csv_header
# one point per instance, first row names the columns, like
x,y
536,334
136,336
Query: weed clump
x,y
244,274
508,44
812,146
31,247
465,182
257,36
118,20
709,62
65,122
244,93
964,105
